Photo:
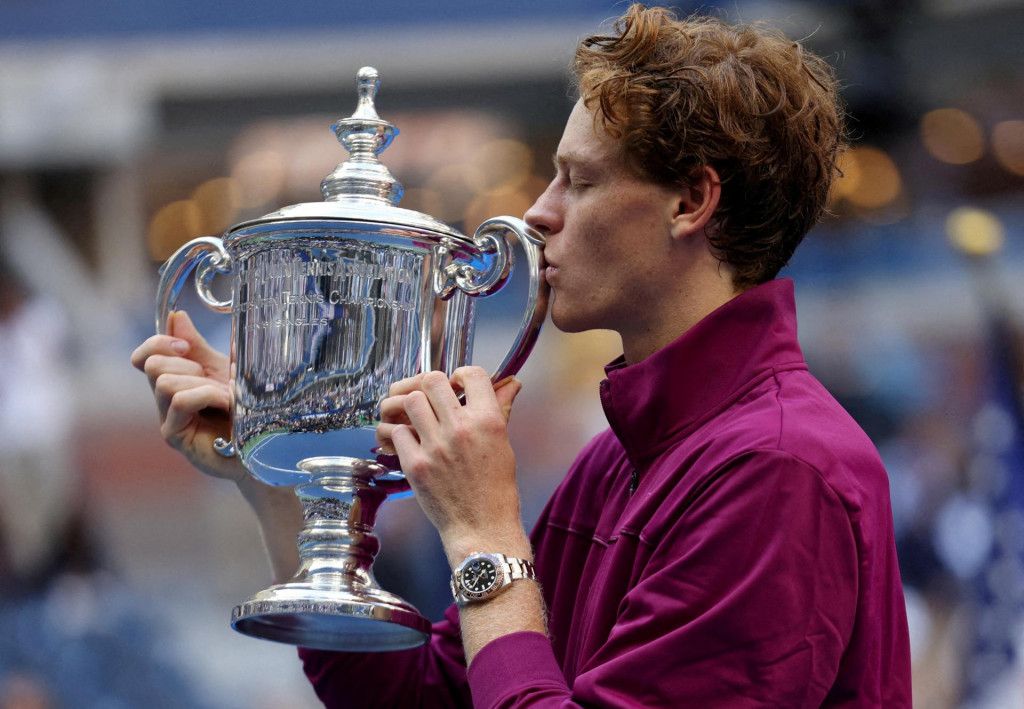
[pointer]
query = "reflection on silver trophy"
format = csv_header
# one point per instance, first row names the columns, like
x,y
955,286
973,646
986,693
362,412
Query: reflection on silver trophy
x,y
331,303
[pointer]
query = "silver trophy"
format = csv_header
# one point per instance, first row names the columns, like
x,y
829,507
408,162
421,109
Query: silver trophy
x,y
332,302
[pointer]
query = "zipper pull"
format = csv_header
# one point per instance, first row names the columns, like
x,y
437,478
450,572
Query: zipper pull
x,y
634,481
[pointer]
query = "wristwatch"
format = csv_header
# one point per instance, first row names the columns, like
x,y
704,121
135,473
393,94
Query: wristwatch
x,y
482,576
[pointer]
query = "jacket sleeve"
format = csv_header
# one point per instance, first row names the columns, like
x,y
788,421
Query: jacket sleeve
x,y
747,599
430,676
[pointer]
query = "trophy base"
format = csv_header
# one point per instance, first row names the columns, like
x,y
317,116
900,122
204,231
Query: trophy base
x,y
331,619
333,602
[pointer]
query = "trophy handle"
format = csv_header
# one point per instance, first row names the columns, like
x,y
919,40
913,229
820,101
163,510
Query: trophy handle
x,y
208,257
493,237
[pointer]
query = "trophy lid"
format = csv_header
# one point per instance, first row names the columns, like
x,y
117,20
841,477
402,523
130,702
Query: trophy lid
x,y
361,188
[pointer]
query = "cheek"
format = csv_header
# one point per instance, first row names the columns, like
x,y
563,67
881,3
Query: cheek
x,y
641,212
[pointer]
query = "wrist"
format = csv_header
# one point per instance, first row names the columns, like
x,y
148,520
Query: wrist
x,y
511,544
262,496
520,607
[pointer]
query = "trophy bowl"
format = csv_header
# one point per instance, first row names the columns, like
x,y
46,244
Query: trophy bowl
x,y
331,303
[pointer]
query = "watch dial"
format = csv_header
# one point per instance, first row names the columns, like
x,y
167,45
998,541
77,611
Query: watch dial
x,y
479,575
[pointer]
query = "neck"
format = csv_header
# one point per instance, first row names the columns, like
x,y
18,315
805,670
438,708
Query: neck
x,y
694,297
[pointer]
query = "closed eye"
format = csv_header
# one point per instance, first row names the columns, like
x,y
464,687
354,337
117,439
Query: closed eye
x,y
568,168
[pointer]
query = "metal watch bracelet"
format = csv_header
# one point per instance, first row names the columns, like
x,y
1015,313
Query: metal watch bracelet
x,y
482,576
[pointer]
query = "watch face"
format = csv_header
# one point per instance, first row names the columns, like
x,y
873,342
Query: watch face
x,y
479,575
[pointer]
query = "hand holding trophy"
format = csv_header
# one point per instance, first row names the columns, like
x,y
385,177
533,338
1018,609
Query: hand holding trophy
x,y
332,302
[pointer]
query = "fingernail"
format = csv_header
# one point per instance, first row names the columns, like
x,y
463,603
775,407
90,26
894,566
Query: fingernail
x,y
180,346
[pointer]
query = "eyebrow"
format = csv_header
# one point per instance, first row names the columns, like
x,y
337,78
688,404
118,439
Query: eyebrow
x,y
569,158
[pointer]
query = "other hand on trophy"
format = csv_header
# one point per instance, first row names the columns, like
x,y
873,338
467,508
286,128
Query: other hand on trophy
x,y
190,379
456,455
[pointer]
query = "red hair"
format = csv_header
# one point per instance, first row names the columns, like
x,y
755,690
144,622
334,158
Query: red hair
x,y
681,94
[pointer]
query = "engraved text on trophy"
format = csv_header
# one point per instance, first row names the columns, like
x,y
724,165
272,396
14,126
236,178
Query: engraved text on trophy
x,y
320,334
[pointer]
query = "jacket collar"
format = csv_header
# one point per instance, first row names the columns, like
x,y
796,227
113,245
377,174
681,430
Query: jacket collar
x,y
655,401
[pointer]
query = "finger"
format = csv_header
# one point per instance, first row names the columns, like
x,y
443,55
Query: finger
x,y
383,434
170,385
186,403
384,431
506,393
441,396
421,416
405,386
180,326
407,446
162,364
158,344
392,410
477,385
405,438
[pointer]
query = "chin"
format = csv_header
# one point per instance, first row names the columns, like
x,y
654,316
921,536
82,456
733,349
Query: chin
x,y
568,321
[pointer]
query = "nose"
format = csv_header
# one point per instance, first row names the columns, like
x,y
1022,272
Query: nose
x,y
545,214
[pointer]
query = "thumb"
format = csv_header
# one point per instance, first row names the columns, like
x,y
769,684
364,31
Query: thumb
x,y
506,394
181,326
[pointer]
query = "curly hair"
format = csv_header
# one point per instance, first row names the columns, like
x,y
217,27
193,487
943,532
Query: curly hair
x,y
682,94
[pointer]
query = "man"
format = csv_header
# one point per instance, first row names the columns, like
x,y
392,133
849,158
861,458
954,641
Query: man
x,y
728,541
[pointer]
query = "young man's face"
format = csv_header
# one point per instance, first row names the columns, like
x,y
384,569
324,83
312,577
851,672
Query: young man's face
x,y
607,233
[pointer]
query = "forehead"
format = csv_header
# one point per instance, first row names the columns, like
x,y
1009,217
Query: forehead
x,y
585,140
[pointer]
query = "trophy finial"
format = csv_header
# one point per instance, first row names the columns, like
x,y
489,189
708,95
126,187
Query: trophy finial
x,y
364,134
367,83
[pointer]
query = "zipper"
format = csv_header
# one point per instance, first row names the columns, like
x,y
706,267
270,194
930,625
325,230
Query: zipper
x,y
634,477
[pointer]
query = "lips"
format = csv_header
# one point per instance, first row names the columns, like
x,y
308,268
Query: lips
x,y
550,273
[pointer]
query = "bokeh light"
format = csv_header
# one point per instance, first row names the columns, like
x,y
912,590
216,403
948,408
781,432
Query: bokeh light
x,y
172,226
952,136
485,206
312,154
504,164
457,185
421,199
257,160
975,232
260,177
870,179
1008,145
218,201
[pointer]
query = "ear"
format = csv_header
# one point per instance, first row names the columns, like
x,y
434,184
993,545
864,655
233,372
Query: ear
x,y
697,204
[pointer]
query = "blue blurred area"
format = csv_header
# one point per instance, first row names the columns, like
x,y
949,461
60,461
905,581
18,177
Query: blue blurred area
x,y
87,641
36,19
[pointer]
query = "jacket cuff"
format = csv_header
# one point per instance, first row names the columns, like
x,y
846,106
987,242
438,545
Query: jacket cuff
x,y
512,664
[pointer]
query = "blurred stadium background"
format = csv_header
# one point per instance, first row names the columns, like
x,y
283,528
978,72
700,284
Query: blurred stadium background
x,y
128,128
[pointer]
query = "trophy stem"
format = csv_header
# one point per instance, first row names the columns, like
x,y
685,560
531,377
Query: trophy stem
x,y
337,544
333,602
